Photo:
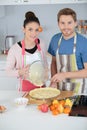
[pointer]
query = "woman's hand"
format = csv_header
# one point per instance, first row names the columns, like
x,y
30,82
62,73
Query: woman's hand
x,y
58,77
24,72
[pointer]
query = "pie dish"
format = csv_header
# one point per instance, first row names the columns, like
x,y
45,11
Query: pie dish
x,y
44,93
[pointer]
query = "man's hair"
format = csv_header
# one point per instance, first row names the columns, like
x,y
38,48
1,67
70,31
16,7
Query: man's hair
x,y
67,11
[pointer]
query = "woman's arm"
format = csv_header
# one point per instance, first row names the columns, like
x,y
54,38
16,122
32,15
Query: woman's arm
x,y
11,64
14,64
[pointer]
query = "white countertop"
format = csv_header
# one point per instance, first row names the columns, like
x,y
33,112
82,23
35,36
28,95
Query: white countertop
x,y
30,118
2,61
3,57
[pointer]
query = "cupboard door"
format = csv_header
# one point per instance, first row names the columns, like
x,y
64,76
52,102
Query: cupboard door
x,y
8,83
23,2
67,1
2,11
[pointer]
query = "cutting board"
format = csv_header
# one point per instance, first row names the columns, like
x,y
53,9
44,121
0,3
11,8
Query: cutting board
x,y
63,94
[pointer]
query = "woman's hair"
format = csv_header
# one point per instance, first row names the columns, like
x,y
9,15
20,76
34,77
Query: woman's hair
x,y
30,17
67,11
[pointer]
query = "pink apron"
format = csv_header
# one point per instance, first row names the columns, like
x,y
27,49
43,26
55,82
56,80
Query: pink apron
x,y
26,85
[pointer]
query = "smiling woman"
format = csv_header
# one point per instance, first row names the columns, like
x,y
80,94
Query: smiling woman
x,y
25,52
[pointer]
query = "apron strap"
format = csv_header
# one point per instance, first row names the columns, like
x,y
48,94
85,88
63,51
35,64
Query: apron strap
x,y
23,50
23,53
75,39
37,41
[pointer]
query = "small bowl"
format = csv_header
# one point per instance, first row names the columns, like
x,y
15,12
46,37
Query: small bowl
x,y
21,102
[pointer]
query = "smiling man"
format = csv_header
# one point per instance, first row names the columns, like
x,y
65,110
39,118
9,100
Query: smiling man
x,y
69,54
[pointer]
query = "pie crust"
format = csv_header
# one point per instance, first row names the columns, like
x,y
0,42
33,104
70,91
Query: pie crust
x,y
44,93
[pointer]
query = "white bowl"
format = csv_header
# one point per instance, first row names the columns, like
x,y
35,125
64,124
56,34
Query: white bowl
x,y
21,102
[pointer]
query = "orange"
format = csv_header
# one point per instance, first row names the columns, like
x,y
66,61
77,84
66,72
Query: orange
x,y
39,107
55,112
62,102
55,105
40,29
52,107
67,110
60,108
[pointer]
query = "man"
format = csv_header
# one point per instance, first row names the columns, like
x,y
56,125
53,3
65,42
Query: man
x,y
69,54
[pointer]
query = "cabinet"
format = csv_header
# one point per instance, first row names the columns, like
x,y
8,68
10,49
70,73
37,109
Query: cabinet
x,y
6,82
23,2
67,1
2,11
30,2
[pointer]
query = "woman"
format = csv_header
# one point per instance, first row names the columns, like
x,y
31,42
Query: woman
x,y
22,54
69,54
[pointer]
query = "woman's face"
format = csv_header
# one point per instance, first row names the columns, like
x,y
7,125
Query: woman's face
x,y
67,25
31,31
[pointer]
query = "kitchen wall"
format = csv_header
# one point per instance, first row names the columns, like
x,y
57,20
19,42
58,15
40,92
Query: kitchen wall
x,y
12,20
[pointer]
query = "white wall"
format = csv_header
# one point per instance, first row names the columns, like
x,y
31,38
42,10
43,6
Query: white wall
x,y
11,23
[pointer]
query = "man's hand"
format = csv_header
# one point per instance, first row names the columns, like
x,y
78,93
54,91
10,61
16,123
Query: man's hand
x,y
58,77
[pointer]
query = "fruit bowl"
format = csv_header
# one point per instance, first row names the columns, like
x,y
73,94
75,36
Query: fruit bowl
x,y
21,102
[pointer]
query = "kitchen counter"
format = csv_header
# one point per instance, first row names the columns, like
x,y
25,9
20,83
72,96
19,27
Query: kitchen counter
x,y
2,61
30,118
3,57
6,82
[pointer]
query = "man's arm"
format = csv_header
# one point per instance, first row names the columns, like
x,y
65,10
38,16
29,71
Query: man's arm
x,y
53,66
75,74
53,71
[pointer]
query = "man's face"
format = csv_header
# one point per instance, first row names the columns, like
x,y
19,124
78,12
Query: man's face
x,y
67,25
